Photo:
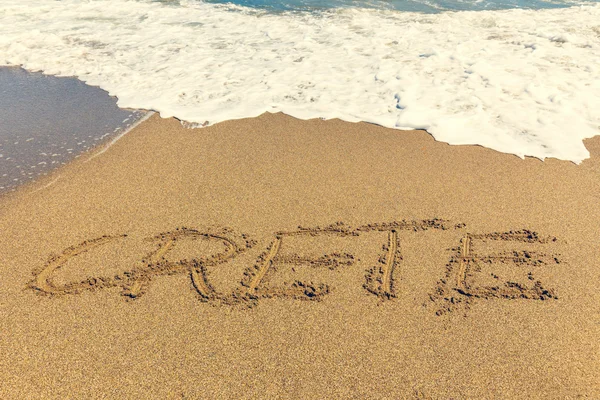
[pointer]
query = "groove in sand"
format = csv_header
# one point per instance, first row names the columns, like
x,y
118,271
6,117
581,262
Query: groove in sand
x,y
462,265
266,264
199,282
390,262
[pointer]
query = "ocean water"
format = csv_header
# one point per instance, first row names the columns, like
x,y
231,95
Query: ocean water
x,y
521,77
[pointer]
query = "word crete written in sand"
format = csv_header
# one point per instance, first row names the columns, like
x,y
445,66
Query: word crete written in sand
x,y
479,267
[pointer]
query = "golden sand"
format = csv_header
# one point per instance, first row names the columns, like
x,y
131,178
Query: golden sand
x,y
277,258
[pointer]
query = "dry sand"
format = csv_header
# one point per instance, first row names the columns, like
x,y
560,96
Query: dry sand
x,y
313,259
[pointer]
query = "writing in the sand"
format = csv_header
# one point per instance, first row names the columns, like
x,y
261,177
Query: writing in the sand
x,y
477,267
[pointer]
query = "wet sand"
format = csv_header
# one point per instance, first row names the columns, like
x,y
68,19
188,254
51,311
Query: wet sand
x,y
277,258
47,121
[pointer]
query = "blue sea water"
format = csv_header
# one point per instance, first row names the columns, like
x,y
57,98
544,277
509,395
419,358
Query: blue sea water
x,y
422,6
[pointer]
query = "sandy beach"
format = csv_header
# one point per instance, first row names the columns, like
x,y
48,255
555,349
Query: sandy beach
x,y
277,258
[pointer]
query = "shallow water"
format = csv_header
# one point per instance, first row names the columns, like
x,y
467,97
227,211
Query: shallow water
x,y
47,121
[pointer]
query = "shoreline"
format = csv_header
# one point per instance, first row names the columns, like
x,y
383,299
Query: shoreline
x,y
99,148
47,179
229,261
48,121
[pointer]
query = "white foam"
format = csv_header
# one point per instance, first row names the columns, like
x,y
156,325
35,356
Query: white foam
x,y
518,81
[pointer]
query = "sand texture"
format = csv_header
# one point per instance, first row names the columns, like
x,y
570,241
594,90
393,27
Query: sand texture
x,y
277,258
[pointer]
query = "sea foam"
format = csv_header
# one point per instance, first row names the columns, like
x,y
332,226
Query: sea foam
x,y
519,81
